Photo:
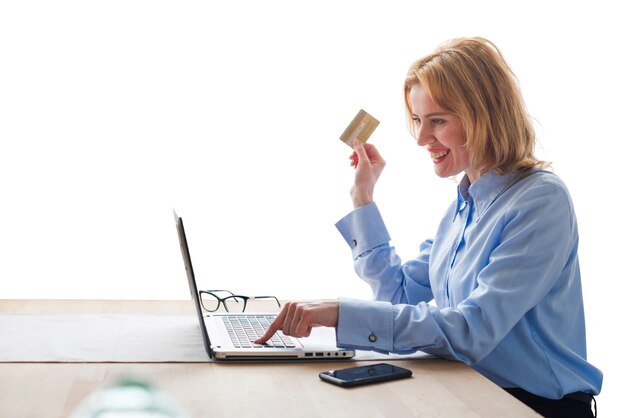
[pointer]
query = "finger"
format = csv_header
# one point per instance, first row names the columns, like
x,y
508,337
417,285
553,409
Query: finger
x,y
359,149
269,333
373,155
354,159
303,328
288,322
371,151
274,326
303,331
294,330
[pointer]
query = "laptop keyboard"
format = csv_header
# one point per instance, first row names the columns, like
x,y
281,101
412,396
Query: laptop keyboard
x,y
244,329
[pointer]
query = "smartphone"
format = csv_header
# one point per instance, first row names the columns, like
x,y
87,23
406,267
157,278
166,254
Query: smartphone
x,y
361,375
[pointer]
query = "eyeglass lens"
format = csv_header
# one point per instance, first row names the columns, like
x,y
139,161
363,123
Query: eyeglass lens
x,y
234,304
211,303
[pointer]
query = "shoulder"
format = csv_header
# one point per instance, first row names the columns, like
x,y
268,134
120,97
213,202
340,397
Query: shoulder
x,y
542,193
542,182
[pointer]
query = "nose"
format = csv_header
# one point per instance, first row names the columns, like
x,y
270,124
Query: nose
x,y
423,136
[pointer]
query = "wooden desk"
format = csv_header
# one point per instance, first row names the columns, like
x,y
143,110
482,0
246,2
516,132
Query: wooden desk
x,y
438,387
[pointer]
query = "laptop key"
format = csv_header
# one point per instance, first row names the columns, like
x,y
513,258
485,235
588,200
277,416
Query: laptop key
x,y
244,330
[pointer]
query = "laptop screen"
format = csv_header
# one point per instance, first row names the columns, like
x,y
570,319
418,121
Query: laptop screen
x,y
193,289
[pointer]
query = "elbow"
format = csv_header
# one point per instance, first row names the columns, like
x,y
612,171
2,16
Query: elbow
x,y
471,357
468,338
467,355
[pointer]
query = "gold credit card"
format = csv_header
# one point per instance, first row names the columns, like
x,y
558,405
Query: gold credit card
x,y
361,128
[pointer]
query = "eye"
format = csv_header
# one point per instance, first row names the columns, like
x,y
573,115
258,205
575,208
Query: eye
x,y
437,121
416,119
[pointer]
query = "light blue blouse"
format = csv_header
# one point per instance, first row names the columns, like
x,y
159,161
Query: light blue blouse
x,y
503,272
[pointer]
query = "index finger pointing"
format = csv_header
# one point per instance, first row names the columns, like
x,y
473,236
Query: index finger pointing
x,y
276,325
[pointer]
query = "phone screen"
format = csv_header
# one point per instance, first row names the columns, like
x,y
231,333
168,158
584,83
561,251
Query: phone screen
x,y
360,375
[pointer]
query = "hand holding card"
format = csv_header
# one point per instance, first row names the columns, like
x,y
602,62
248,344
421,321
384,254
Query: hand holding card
x,y
368,164
361,128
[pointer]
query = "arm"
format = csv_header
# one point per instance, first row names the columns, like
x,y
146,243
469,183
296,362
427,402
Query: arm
x,y
368,166
520,271
377,263
375,260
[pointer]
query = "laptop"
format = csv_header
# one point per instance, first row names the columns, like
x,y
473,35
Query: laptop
x,y
225,338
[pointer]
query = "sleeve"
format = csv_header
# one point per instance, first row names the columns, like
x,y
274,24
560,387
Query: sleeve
x,y
377,263
521,270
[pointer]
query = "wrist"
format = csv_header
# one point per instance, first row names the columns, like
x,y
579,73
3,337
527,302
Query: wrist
x,y
361,200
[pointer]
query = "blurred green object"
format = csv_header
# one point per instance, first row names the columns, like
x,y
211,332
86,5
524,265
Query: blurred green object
x,y
128,398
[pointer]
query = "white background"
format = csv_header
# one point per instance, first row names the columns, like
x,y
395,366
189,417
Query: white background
x,y
112,113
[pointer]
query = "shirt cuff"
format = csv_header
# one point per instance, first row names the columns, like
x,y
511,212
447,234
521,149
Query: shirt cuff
x,y
365,325
363,229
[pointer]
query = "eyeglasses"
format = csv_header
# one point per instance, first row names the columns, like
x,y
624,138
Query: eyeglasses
x,y
211,302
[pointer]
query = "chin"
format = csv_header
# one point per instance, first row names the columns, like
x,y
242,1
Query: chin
x,y
448,174
444,174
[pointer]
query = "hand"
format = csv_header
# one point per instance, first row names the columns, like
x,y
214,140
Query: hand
x,y
368,165
297,319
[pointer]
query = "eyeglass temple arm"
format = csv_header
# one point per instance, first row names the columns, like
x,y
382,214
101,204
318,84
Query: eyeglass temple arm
x,y
266,297
218,290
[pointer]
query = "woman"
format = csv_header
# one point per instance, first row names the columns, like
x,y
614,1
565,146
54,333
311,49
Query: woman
x,y
503,267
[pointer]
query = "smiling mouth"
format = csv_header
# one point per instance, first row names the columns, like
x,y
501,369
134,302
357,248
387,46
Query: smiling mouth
x,y
439,155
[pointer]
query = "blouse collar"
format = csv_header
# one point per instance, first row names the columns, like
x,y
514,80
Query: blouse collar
x,y
485,190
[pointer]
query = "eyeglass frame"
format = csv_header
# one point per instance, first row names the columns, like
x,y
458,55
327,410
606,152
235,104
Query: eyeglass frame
x,y
222,301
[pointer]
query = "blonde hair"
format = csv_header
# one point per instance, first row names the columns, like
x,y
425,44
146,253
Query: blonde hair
x,y
470,78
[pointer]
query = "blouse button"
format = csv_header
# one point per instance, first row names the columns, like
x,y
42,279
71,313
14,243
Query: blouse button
x,y
372,338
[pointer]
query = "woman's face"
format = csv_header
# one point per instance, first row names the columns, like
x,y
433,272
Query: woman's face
x,y
441,133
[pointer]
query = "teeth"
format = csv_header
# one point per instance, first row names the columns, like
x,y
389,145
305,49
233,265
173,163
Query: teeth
x,y
436,155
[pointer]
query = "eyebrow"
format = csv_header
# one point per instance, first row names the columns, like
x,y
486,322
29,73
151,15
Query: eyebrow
x,y
430,115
